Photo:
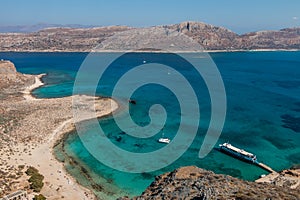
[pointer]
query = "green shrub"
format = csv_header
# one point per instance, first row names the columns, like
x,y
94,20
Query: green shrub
x,y
21,167
36,179
31,170
36,182
39,197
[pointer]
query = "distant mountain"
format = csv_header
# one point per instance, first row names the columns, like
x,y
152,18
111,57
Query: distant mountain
x,y
38,27
58,39
118,38
288,38
209,36
219,38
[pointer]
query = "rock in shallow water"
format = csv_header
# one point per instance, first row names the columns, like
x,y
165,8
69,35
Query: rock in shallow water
x,y
291,122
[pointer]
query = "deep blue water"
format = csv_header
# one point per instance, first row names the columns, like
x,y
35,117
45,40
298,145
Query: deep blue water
x,y
263,94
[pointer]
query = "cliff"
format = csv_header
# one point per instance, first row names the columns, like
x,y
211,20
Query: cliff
x,y
209,36
195,183
11,81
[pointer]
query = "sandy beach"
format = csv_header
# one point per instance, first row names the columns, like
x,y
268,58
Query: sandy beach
x,y
37,83
31,141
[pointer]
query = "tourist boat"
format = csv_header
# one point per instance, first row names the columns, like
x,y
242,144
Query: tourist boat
x,y
164,139
238,153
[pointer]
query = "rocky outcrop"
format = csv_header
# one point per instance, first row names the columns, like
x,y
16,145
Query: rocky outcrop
x,y
9,73
208,36
219,38
11,81
195,183
7,69
289,178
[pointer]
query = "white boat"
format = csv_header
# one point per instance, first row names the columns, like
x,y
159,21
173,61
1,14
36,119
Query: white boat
x,y
164,140
238,153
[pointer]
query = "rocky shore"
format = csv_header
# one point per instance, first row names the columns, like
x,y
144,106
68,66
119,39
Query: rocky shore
x,y
195,183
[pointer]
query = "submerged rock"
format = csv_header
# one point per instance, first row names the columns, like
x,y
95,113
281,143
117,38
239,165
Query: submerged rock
x,y
291,122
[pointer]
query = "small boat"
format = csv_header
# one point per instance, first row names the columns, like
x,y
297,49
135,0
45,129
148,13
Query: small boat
x,y
238,153
164,139
262,176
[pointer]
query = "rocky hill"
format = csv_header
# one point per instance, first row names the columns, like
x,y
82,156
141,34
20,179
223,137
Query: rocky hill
x,y
11,81
219,38
195,183
57,39
150,39
10,76
282,39
208,36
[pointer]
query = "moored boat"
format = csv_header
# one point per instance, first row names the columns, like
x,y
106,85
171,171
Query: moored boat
x,y
238,153
164,139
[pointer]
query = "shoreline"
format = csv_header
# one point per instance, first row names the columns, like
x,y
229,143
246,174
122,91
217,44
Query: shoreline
x,y
100,187
57,134
58,183
27,93
143,51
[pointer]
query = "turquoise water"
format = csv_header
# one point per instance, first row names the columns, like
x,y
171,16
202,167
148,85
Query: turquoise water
x,y
263,94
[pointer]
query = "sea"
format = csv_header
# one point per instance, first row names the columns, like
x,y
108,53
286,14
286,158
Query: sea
x,y
262,117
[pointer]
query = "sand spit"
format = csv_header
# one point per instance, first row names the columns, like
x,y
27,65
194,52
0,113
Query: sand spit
x,y
38,83
29,141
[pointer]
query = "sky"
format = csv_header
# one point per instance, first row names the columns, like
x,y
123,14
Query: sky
x,y
238,15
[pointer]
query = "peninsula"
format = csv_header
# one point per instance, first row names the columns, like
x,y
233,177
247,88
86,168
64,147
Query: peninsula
x,y
29,128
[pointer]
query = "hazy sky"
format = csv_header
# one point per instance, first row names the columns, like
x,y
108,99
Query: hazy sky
x,y
237,15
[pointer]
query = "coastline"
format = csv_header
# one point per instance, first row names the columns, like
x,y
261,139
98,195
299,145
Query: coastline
x,y
58,183
101,187
27,93
143,51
